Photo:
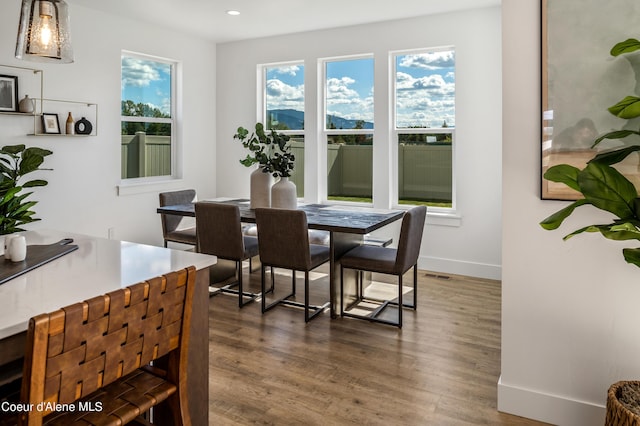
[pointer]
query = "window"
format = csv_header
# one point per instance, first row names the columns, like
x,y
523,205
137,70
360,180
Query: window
x,y
425,126
283,110
348,128
148,112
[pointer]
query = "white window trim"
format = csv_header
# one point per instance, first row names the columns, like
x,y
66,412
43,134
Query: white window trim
x,y
323,132
435,215
157,183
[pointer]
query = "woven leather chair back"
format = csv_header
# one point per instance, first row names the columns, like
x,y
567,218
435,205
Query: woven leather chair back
x,y
219,230
84,347
410,239
283,238
170,222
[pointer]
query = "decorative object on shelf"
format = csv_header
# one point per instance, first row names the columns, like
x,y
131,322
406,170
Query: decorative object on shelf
x,y
600,184
26,105
8,93
83,127
16,162
69,126
44,34
50,123
284,194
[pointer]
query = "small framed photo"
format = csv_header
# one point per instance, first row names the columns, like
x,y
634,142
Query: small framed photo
x,y
50,123
8,93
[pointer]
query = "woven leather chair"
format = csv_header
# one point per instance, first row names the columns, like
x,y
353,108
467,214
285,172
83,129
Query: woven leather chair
x,y
220,234
96,355
284,243
171,230
389,261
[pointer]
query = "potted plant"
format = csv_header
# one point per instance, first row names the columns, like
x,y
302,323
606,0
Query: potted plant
x,y
271,151
605,188
16,161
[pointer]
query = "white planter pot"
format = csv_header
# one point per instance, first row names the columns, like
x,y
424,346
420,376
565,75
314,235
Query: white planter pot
x,y
283,194
260,189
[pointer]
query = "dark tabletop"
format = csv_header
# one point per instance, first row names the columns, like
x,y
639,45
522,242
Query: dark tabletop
x,y
354,220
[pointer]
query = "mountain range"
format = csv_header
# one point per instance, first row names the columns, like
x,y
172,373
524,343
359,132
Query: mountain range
x,y
294,119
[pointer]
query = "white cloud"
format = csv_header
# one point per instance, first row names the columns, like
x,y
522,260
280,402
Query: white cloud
x,y
284,96
291,70
424,101
138,72
430,61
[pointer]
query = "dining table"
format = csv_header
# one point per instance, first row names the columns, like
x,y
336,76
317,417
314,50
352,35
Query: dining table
x,y
347,227
91,267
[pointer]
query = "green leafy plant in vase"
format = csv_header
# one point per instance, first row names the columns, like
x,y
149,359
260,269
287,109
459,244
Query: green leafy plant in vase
x,y
272,152
601,185
16,161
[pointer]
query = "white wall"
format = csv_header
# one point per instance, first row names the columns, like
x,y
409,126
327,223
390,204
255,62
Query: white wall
x,y
569,309
81,195
473,248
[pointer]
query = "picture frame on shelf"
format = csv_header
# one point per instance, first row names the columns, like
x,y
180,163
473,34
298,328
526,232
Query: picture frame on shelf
x,y
8,93
50,123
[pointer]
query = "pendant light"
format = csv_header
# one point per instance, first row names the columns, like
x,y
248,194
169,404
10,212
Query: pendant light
x,y
44,33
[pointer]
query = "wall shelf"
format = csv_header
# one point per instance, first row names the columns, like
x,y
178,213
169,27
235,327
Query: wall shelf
x,y
31,81
62,108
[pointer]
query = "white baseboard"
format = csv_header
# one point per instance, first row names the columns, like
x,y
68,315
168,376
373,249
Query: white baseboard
x,y
553,409
460,267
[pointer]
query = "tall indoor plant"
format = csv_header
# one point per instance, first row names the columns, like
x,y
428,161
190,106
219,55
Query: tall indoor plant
x,y
605,188
16,161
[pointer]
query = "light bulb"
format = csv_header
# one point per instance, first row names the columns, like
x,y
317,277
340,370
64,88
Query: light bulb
x,y
45,32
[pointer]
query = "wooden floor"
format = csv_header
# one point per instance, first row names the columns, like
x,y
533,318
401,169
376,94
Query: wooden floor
x,y
442,368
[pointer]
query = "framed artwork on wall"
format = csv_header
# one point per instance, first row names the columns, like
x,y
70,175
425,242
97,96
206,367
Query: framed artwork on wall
x,y
8,93
580,80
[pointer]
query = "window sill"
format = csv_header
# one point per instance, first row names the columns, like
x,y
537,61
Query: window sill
x,y
144,187
451,218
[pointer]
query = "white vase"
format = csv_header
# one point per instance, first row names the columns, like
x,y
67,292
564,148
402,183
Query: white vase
x,y
260,189
283,194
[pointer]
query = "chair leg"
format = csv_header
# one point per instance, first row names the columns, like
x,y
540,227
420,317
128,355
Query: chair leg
x,y
415,286
341,290
266,307
262,288
400,301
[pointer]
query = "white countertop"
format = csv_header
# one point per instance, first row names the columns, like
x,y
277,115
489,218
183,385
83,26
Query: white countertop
x,y
97,267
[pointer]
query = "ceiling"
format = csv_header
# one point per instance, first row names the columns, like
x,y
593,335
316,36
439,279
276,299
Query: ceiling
x,y
263,18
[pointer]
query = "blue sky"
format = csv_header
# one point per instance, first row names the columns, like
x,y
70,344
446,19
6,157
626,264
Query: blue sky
x,y
425,88
147,82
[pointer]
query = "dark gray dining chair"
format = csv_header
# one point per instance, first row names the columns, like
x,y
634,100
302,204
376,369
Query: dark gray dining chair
x,y
171,230
283,241
390,261
220,234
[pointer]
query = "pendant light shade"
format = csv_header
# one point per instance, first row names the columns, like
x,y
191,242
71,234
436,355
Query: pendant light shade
x,y
44,34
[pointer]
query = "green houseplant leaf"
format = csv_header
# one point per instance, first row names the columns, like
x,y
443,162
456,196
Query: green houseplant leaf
x,y
628,108
15,162
607,189
627,46
555,220
564,173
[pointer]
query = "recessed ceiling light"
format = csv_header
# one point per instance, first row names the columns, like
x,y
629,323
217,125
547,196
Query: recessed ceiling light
x,y
233,12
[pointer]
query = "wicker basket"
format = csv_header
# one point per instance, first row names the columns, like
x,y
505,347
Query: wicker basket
x,y
617,414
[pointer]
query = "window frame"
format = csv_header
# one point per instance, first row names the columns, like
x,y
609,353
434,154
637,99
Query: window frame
x,y
262,94
396,132
175,112
324,133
